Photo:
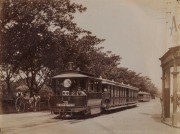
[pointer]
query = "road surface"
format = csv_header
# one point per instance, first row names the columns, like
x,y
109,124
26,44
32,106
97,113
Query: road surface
x,y
143,119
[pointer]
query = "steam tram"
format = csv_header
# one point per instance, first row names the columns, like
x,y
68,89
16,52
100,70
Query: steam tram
x,y
144,96
99,95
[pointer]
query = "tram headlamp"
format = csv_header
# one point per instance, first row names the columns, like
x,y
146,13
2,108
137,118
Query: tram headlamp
x,y
67,83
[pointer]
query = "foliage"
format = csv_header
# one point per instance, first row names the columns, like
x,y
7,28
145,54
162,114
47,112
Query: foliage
x,y
103,64
39,37
8,75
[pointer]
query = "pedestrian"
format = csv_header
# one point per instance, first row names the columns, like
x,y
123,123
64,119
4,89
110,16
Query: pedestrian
x,y
171,98
19,93
162,108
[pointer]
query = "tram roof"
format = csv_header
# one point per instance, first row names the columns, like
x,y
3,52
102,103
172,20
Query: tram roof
x,y
74,74
105,81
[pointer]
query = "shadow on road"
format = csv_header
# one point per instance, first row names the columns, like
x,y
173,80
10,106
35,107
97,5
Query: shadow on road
x,y
156,117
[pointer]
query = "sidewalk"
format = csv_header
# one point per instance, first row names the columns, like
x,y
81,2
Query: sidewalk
x,y
168,121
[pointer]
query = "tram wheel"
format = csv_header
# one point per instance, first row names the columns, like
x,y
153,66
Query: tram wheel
x,y
20,105
103,110
86,113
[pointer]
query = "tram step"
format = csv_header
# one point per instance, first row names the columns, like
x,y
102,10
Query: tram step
x,y
122,106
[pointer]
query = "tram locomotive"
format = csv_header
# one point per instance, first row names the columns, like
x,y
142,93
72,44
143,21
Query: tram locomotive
x,y
98,95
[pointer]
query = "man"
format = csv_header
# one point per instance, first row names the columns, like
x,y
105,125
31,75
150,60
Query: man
x,y
80,93
162,106
34,101
19,93
171,98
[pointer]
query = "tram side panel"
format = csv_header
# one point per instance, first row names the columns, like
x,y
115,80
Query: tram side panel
x,y
121,96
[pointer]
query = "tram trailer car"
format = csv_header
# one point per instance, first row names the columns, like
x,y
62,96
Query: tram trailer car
x,y
144,96
120,95
100,94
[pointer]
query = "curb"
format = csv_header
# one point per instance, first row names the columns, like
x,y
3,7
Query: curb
x,y
170,124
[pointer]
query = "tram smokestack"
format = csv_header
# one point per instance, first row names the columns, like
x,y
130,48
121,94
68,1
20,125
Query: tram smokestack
x,y
70,65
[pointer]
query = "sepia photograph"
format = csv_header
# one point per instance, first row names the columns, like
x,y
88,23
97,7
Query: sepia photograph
x,y
90,66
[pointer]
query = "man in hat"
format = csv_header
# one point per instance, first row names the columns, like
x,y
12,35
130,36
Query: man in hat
x,y
80,93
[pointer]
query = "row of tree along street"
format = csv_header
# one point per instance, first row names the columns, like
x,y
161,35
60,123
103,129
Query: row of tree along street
x,y
39,37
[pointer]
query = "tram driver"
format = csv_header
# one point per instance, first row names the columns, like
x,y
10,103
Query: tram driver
x,y
80,92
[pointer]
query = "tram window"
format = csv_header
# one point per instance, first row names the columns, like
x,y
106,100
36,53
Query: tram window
x,y
132,93
112,92
122,91
83,84
90,86
109,88
114,88
125,92
129,93
104,87
97,87
117,91
94,86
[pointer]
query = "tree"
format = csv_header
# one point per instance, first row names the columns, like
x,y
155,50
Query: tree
x,y
40,36
8,75
103,63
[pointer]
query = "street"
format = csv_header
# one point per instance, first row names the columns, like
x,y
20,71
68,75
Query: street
x,y
143,119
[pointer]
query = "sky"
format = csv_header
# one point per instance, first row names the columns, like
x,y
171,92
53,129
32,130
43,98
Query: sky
x,y
133,29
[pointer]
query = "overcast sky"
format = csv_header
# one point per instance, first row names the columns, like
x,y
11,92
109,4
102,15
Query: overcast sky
x,y
133,29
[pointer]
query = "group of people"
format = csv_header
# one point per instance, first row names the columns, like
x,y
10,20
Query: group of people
x,y
79,92
33,101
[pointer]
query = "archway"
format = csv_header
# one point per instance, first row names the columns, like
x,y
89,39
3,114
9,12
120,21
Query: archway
x,y
170,59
